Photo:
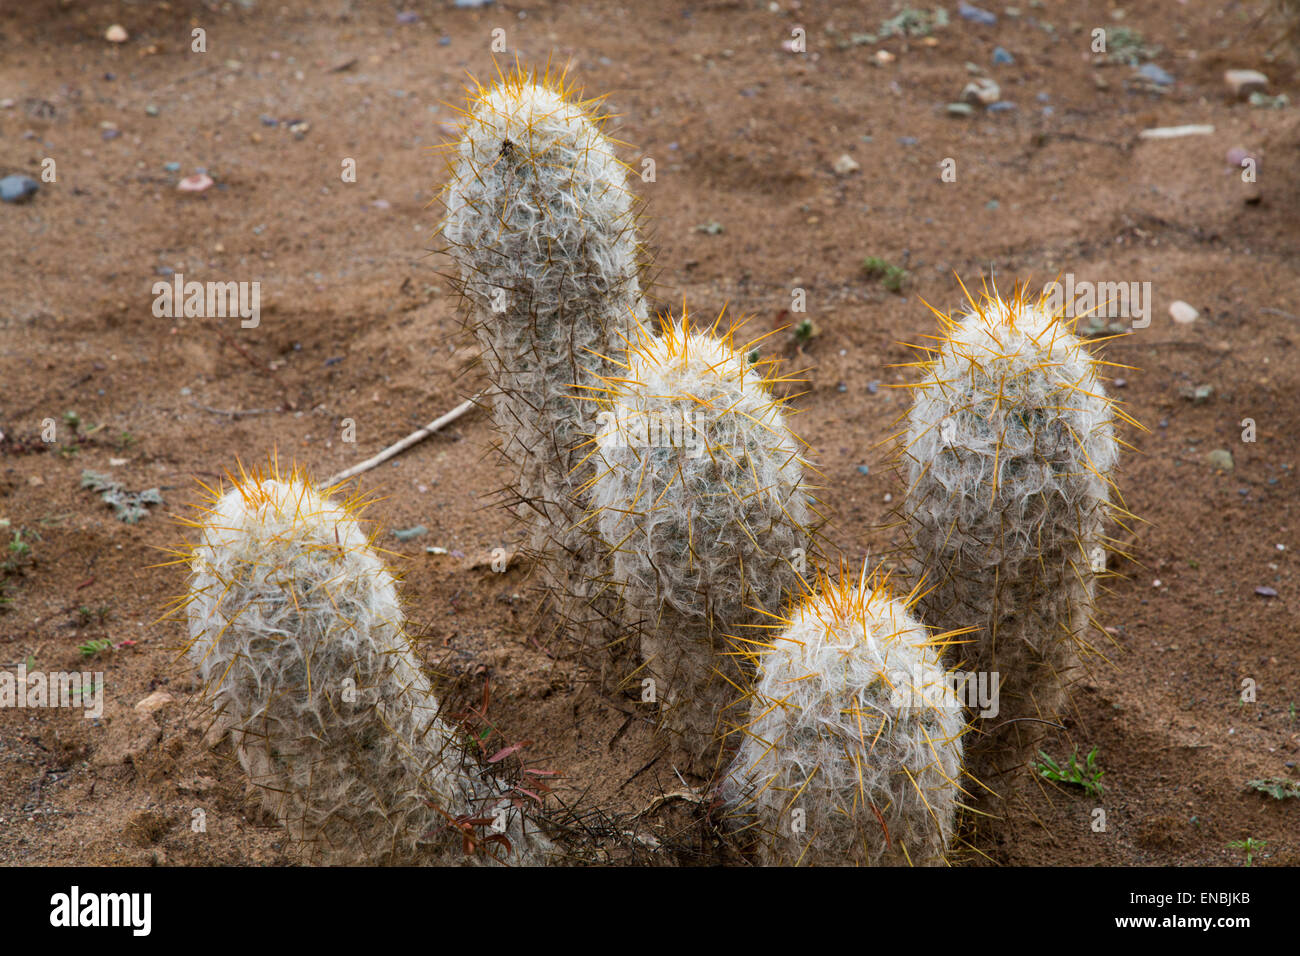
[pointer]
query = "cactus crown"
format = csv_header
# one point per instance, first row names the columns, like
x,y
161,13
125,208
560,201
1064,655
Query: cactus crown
x,y
694,453
1009,407
854,722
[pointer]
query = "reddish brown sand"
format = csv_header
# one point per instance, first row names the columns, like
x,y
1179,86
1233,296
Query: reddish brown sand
x,y
360,323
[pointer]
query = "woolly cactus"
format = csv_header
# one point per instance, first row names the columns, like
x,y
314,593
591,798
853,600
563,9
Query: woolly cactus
x,y
299,639
1010,448
853,747
542,225
698,496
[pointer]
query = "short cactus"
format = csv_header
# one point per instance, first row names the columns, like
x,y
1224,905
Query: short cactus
x,y
1010,450
851,752
543,227
698,495
298,637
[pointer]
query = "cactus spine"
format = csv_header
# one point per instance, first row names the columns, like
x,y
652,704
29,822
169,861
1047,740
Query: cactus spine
x,y
542,225
1010,449
299,639
698,495
852,750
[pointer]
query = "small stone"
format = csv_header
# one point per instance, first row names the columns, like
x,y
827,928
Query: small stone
x,y
981,91
1002,56
155,701
116,34
846,165
1264,101
1155,74
1266,592
172,167
1002,106
1242,83
1238,155
18,188
406,534
196,183
883,57
864,469
960,109
976,14
1183,313
1221,459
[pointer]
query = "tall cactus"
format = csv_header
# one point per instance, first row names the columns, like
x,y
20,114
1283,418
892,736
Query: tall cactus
x,y
543,227
851,752
699,497
1010,450
297,634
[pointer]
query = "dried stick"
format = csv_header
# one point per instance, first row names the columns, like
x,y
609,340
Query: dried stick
x,y
401,446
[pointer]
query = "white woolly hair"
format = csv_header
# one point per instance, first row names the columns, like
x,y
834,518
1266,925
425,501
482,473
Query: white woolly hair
x,y
698,495
543,227
1010,450
299,639
852,753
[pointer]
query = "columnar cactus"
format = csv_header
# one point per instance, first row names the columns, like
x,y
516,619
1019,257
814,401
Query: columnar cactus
x,y
851,752
299,640
543,227
1010,450
698,495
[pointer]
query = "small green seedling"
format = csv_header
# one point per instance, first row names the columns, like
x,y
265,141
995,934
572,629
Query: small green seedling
x,y
804,331
1279,788
1086,775
91,648
1250,845
891,276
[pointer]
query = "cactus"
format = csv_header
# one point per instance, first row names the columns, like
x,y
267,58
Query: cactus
x,y
852,750
1010,450
299,640
697,493
543,228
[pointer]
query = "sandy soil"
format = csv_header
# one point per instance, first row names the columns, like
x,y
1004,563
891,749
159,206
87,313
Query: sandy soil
x,y
359,322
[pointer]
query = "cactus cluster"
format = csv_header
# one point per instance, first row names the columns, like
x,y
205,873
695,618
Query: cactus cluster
x,y
852,748
1009,451
541,223
298,637
666,497
699,499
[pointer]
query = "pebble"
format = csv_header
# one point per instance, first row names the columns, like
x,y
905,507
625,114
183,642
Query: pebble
x,y
172,167
960,109
1002,106
116,34
406,534
408,16
1157,75
1221,459
1244,82
864,469
1000,55
981,91
1238,155
18,188
873,387
1183,313
1266,592
151,110
156,700
976,14
846,165
196,183
444,41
